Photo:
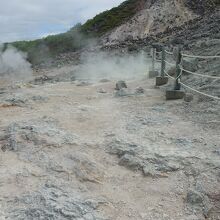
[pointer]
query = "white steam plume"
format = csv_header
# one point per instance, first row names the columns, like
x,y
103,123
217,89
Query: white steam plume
x,y
13,66
102,65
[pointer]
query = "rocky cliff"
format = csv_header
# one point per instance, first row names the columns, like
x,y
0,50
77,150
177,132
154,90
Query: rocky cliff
x,y
157,17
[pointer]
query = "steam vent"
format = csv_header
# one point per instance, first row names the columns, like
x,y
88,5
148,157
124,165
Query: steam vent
x,y
110,110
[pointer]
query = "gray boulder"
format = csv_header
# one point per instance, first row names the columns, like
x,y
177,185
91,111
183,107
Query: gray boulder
x,y
194,197
139,90
101,90
120,85
104,80
130,162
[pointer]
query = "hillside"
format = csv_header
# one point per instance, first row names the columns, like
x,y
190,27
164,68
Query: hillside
x,y
157,17
133,19
80,35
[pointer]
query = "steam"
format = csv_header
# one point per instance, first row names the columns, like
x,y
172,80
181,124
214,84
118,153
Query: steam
x,y
108,66
14,66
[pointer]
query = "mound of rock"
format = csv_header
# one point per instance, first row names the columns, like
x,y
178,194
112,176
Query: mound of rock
x,y
137,157
122,90
53,202
83,83
85,168
203,189
42,80
44,144
29,136
16,100
139,90
21,100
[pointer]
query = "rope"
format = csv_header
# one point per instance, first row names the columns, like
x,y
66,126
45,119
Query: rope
x,y
170,53
173,77
170,64
201,57
180,75
194,90
169,75
201,93
198,74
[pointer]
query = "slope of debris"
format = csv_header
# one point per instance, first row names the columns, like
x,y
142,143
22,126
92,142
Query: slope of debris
x,y
159,19
155,18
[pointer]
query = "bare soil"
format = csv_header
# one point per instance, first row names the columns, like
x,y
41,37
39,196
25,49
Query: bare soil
x,y
184,156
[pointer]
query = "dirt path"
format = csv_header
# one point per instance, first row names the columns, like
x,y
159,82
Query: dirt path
x,y
133,157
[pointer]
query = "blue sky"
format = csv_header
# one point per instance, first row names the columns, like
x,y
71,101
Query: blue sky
x,y
31,19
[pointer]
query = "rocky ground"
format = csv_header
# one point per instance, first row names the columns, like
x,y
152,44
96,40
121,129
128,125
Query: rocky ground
x,y
79,150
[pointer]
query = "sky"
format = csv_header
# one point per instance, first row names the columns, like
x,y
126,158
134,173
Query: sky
x,y
32,19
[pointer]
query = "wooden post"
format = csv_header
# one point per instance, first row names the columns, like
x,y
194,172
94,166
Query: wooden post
x,y
153,73
176,93
153,58
178,69
163,64
162,79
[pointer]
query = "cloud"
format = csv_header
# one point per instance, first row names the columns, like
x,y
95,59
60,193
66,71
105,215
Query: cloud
x,y
30,19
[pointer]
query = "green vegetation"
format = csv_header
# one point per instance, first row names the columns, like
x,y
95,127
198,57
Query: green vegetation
x,y
78,36
41,49
108,20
